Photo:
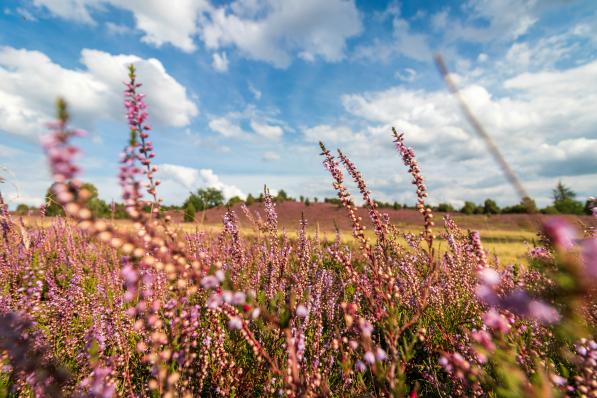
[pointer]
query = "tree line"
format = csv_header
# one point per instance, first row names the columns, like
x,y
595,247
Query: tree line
x,y
564,202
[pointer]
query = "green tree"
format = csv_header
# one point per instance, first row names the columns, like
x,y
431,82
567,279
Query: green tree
x,y
334,201
445,207
189,212
468,208
590,206
282,196
564,200
53,209
97,206
22,209
490,207
307,202
396,206
526,205
205,199
119,211
250,200
234,200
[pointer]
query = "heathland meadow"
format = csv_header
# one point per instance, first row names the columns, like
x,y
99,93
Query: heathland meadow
x,y
150,306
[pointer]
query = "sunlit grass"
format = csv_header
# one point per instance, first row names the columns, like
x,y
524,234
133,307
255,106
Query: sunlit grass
x,y
509,246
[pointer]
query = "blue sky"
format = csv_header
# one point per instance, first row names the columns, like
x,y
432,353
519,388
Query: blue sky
x,y
241,92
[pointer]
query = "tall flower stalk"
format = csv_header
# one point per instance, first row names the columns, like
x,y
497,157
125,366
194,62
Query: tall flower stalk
x,y
140,146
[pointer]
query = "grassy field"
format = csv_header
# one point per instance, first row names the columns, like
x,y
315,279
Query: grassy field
x,y
506,240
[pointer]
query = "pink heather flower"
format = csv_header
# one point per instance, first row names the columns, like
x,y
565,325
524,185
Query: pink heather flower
x,y
227,296
256,312
360,366
542,312
366,328
220,275
301,311
489,277
235,323
539,253
238,298
589,257
369,357
129,274
380,354
214,301
582,351
561,233
484,338
496,321
558,380
486,294
210,282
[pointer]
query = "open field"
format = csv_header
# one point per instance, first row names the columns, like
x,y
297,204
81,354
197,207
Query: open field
x,y
508,237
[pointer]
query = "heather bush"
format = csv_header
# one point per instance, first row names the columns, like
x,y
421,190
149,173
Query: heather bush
x,y
91,310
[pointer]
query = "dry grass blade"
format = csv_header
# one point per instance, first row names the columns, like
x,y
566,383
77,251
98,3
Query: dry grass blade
x,y
479,129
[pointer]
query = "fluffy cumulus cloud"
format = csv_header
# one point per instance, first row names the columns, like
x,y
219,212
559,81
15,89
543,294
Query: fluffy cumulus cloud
x,y
272,30
542,121
266,130
266,30
546,106
220,62
160,21
485,22
30,82
191,179
227,127
261,123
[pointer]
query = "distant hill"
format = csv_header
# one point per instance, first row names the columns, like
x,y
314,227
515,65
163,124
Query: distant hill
x,y
327,215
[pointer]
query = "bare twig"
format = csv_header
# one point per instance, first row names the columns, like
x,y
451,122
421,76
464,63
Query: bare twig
x,y
495,152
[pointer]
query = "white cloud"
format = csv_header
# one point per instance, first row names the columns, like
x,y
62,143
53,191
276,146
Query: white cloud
x,y
256,93
161,21
411,44
26,14
404,42
406,75
30,83
544,123
262,123
270,156
268,31
220,62
476,21
117,29
266,130
312,28
227,127
329,134
489,20
76,10
191,179
546,105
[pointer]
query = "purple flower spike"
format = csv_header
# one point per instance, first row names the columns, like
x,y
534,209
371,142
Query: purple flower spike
x,y
562,234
